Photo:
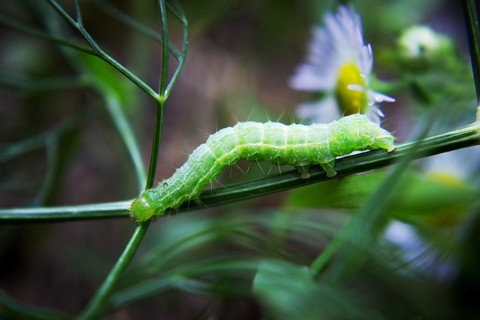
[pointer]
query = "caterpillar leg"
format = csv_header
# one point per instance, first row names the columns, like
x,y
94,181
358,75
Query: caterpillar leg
x,y
303,171
329,168
199,202
386,144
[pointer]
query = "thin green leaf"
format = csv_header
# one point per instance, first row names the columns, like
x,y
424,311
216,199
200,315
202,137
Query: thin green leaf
x,y
290,293
13,309
117,97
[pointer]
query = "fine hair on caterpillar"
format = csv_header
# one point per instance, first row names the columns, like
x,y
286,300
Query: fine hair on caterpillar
x,y
298,145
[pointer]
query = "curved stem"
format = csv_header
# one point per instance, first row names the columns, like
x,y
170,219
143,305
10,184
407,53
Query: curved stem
x,y
97,51
182,58
98,303
134,24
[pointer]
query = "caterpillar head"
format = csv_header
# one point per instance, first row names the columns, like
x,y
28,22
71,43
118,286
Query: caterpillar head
x,y
382,139
364,134
141,210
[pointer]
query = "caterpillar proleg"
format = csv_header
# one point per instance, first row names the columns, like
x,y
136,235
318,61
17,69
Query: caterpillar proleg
x,y
297,145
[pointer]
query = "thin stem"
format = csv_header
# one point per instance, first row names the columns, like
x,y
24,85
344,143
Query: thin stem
x,y
78,13
161,103
99,300
67,213
62,41
157,134
181,60
473,31
97,51
177,12
104,56
165,55
63,13
359,230
135,25
126,132
461,138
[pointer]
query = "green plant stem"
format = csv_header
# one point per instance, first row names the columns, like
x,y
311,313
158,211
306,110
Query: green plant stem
x,y
157,135
473,31
97,51
18,26
165,54
461,138
70,213
183,56
126,132
98,303
135,25
155,144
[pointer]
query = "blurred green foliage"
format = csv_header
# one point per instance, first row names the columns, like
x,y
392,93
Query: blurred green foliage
x,y
72,128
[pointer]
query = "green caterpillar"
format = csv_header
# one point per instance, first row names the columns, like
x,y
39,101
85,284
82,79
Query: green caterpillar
x,y
296,144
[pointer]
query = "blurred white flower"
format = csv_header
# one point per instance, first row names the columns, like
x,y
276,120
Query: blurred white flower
x,y
416,253
420,42
339,64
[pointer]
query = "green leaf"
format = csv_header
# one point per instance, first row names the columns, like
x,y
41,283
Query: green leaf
x,y
441,196
106,79
291,293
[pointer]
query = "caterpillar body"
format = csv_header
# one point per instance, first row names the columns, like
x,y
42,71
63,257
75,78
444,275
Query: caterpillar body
x,y
297,145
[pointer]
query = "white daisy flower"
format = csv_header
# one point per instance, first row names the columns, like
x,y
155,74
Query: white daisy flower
x,y
339,64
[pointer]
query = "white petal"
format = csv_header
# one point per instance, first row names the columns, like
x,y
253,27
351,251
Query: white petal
x,y
356,87
323,111
380,97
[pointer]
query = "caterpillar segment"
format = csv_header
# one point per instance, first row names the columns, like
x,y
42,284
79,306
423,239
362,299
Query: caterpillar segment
x,y
298,145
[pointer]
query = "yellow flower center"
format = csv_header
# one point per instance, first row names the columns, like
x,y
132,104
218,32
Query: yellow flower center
x,y
350,101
